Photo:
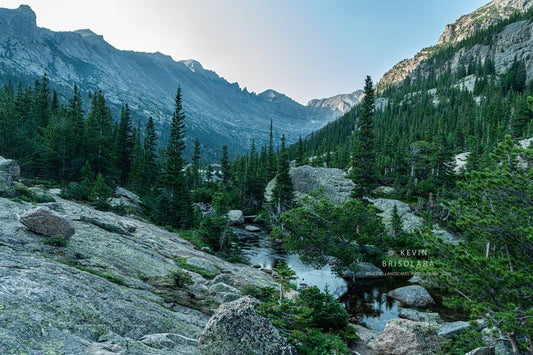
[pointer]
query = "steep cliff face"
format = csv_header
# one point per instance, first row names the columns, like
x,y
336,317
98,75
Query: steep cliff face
x,y
340,104
218,112
515,39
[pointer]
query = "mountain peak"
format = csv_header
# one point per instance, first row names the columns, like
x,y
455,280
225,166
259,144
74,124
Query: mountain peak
x,y
485,16
22,18
193,65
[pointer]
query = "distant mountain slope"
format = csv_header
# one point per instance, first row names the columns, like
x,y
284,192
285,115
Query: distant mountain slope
x,y
218,112
466,26
340,104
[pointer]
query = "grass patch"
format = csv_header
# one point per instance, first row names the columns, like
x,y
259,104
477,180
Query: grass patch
x,y
192,236
22,193
182,262
56,241
180,278
104,274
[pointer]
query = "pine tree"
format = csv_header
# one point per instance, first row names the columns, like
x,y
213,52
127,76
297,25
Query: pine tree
x,y
124,144
195,165
283,193
179,207
224,166
98,141
137,162
363,159
300,152
271,158
150,158
396,222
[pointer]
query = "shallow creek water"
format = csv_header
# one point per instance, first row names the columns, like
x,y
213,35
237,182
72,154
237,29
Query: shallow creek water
x,y
367,301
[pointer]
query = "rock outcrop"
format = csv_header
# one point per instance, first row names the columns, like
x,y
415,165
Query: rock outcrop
x,y
236,328
235,217
405,337
364,271
412,296
9,172
42,220
105,292
333,183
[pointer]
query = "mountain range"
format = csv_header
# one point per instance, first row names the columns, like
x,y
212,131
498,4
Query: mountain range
x,y
218,112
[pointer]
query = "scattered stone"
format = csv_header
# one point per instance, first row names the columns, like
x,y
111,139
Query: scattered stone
x,y
412,296
252,228
236,328
207,250
9,172
267,270
125,198
366,336
122,192
405,337
417,316
257,266
42,220
385,190
364,271
235,217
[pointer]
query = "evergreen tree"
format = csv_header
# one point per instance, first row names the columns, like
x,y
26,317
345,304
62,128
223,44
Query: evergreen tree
x,y
195,165
271,158
124,144
137,162
300,152
224,166
150,156
396,222
179,204
363,159
283,193
98,140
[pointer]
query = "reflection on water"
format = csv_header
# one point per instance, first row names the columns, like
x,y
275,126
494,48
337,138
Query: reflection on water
x,y
259,251
368,301
365,300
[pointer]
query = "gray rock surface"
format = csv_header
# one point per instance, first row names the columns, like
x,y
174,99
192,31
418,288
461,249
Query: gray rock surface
x,y
333,182
364,271
236,328
203,263
43,220
125,198
417,316
235,217
223,278
252,228
222,287
105,292
9,172
412,296
405,337
485,350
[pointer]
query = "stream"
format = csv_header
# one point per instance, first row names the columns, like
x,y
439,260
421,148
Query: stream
x,y
366,301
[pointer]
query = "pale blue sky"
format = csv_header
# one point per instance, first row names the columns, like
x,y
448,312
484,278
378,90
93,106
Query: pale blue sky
x,y
304,48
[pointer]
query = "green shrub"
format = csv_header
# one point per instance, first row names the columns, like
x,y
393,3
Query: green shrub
x,y
462,343
215,231
57,241
182,262
261,293
180,278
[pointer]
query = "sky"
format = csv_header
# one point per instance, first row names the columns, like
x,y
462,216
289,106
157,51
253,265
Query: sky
x,y
305,49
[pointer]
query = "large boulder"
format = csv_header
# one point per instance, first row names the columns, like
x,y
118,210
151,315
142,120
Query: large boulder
x,y
412,296
236,328
125,198
406,337
333,182
9,172
364,271
43,220
417,316
235,217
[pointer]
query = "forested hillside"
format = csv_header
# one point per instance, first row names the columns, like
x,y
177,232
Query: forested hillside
x,y
443,108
